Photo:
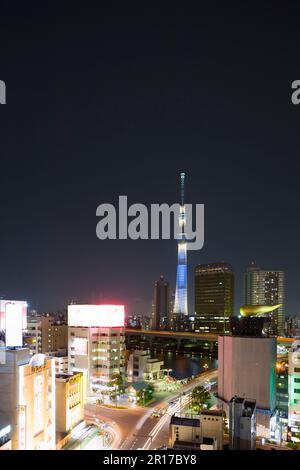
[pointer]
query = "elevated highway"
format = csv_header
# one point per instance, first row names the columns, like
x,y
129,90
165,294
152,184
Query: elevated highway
x,y
187,335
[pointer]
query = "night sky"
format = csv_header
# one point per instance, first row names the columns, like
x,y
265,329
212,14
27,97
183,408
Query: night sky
x,y
102,103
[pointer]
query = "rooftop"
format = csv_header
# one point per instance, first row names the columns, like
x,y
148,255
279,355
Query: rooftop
x,y
179,421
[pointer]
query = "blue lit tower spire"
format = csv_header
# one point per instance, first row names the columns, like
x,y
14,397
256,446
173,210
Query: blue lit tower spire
x,y
181,304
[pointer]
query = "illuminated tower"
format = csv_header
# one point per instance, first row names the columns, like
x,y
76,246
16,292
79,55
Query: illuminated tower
x,y
181,304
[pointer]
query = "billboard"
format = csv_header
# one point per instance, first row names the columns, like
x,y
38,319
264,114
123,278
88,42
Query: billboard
x,y
3,305
107,316
13,324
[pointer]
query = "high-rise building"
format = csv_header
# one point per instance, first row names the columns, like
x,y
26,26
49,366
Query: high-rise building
x,y
294,391
97,344
27,397
214,295
160,319
242,424
266,287
246,368
181,300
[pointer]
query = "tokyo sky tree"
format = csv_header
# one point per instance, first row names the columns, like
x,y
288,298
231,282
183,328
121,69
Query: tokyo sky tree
x,y
181,303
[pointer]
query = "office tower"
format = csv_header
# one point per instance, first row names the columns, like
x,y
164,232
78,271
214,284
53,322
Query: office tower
x,y
27,397
242,424
160,319
204,432
265,287
294,391
97,344
214,292
69,401
246,368
181,301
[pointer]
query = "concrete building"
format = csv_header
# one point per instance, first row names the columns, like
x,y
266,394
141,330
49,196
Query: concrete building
x,y
242,424
61,364
205,432
44,335
214,294
294,391
265,287
69,401
27,398
141,367
246,368
161,318
97,344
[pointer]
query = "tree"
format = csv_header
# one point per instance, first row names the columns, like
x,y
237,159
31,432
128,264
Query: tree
x,y
200,398
145,395
117,382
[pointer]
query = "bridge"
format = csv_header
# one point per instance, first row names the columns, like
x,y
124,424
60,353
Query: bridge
x,y
188,335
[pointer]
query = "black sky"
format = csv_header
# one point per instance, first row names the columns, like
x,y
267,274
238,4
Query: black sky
x,y
105,102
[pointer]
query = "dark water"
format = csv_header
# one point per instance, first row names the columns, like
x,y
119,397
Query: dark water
x,y
185,365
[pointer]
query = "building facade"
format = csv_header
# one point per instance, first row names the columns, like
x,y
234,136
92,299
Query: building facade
x,y
242,424
294,392
214,297
161,315
27,397
246,368
141,367
69,401
265,287
97,344
44,335
205,432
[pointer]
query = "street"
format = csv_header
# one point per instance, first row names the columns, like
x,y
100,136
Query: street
x,y
135,428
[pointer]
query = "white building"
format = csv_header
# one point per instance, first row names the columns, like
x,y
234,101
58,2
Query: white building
x,y
205,432
27,398
33,335
294,390
97,344
242,424
141,367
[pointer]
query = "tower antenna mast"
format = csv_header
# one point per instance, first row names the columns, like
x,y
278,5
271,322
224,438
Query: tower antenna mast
x,y
182,177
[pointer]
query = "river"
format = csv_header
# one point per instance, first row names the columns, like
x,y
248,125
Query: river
x,y
185,365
